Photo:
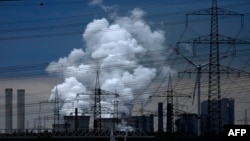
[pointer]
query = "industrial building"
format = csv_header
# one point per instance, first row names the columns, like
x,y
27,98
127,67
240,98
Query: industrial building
x,y
227,113
79,122
110,123
146,123
187,124
72,122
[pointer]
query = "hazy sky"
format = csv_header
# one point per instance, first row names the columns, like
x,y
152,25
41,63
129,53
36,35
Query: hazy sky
x,y
34,33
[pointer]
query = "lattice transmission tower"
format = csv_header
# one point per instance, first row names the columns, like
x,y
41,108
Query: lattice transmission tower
x,y
214,39
97,106
56,110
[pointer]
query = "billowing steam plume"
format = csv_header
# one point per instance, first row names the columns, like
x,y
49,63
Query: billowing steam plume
x,y
117,49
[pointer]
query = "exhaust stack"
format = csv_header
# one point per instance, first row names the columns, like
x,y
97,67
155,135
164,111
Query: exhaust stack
x,y
160,117
20,110
8,110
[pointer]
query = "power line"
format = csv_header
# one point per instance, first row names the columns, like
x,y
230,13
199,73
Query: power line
x,y
34,36
164,4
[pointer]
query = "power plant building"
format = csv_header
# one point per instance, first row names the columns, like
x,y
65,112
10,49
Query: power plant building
x,y
109,123
227,113
146,123
81,123
187,124
72,123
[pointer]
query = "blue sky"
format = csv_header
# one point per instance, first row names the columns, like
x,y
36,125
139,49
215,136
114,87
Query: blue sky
x,y
31,34
22,15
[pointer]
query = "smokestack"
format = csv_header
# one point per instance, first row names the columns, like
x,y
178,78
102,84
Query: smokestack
x,y
160,117
151,123
20,110
76,118
8,110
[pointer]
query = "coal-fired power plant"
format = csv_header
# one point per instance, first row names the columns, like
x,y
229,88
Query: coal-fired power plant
x,y
20,109
117,85
8,110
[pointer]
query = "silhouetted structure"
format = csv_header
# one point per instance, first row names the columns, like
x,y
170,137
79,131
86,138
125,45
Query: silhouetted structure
x,y
160,117
146,123
214,39
70,123
227,110
20,109
8,110
187,124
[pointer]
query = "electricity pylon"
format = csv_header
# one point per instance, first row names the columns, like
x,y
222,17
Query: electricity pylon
x,y
197,85
97,105
198,70
56,110
170,104
214,39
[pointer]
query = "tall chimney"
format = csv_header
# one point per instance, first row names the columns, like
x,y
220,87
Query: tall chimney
x,y
8,110
20,110
76,118
160,117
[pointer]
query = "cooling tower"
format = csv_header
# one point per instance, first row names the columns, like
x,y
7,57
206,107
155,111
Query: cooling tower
x,y
20,110
8,110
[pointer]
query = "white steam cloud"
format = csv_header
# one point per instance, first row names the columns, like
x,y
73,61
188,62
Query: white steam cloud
x,y
95,2
117,49
103,7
